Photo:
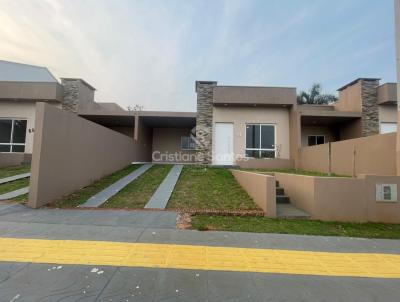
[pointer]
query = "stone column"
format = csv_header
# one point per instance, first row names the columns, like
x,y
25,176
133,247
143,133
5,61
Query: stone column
x,y
204,120
370,110
71,95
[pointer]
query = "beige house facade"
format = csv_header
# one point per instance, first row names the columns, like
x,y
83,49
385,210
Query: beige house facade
x,y
262,126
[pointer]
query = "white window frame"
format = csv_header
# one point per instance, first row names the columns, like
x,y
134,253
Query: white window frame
x,y
259,149
11,144
190,140
308,136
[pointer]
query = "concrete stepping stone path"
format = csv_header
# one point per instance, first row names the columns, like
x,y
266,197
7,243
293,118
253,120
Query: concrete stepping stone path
x,y
110,191
13,194
160,198
13,178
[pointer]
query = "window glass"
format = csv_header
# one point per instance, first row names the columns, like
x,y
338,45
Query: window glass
x,y
252,153
4,148
5,131
252,136
267,137
268,154
188,143
18,148
320,139
19,132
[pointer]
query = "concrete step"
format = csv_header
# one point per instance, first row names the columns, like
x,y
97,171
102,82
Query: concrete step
x,y
280,191
290,211
282,199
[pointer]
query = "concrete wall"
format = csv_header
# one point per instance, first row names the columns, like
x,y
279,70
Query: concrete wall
x,y
70,152
34,91
328,132
142,146
261,188
387,93
373,155
341,199
314,158
249,95
266,163
350,98
14,159
167,141
387,113
239,116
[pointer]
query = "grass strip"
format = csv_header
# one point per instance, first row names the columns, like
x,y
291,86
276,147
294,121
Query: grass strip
x,y
294,226
209,188
138,193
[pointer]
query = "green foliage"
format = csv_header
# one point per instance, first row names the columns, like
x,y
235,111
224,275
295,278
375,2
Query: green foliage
x,y
315,97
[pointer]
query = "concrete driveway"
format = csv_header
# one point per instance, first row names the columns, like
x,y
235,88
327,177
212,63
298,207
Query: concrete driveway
x,y
106,255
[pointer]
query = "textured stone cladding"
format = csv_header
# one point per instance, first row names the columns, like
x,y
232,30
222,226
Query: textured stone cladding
x,y
204,121
71,95
370,110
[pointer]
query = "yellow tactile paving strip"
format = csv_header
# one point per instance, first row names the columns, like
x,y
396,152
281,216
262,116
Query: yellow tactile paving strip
x,y
200,257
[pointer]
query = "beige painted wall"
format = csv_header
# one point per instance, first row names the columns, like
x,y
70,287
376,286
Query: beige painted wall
x,y
14,159
70,152
350,99
328,132
387,113
168,141
374,154
240,116
22,110
340,199
266,163
261,188
314,158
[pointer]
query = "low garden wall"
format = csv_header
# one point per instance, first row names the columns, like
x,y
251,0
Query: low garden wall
x,y
341,198
14,159
70,152
266,163
261,188
374,154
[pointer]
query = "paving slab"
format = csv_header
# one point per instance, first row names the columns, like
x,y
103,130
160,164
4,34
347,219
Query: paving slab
x,y
110,191
14,177
287,210
13,194
163,193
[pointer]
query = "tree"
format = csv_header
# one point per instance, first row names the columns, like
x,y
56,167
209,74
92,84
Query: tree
x,y
314,96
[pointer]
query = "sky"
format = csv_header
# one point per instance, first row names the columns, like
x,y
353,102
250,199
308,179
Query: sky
x,y
151,53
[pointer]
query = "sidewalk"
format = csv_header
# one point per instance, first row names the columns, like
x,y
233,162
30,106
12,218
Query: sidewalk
x,y
151,232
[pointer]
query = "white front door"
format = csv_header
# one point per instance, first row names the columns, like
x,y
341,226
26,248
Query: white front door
x,y
223,144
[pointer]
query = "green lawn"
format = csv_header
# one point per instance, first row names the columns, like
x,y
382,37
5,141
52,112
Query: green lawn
x,y
209,188
294,226
15,185
138,193
82,195
14,170
295,171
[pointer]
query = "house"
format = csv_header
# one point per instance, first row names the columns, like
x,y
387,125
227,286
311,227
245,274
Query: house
x,y
233,125
237,123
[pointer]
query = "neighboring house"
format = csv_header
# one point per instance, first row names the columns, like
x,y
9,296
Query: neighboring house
x,y
21,86
266,122
231,124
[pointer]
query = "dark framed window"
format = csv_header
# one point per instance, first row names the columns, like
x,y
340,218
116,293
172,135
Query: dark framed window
x,y
316,140
188,143
260,141
12,135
